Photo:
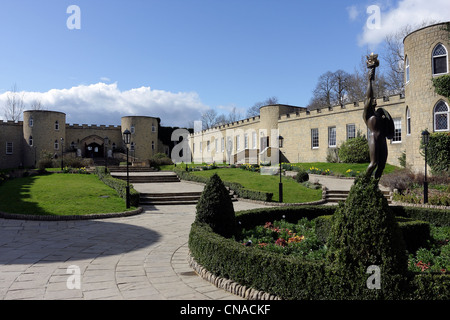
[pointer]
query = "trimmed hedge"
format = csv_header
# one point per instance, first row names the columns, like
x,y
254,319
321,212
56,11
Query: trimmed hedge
x,y
416,233
288,277
118,185
236,187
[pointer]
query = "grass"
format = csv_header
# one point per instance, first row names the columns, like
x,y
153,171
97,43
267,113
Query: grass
x,y
293,192
341,168
59,194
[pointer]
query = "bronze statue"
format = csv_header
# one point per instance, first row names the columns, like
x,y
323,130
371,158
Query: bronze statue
x,y
379,122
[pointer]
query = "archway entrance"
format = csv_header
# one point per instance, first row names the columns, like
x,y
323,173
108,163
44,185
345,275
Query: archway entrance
x,y
93,150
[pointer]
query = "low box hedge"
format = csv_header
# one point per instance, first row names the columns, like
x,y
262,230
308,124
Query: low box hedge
x,y
416,233
118,185
293,278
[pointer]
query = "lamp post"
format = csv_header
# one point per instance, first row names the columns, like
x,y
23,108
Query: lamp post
x,y
425,140
105,151
126,140
280,185
62,154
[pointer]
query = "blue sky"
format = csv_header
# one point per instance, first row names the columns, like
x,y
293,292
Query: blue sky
x,y
176,58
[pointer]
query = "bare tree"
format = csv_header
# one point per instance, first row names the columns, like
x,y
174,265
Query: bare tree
x,y
395,57
209,119
323,92
14,106
37,105
253,111
234,115
340,87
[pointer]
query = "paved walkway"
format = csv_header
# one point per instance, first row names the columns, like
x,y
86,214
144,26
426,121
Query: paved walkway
x,y
138,257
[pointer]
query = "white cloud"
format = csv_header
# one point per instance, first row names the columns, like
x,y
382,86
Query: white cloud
x,y
102,103
407,12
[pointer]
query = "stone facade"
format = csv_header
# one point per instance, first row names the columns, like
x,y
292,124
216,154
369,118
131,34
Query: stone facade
x,y
43,133
310,135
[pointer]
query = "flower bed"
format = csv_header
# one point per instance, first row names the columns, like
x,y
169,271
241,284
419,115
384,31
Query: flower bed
x,y
301,275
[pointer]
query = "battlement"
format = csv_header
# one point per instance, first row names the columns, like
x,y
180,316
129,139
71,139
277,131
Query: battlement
x,y
381,102
92,126
11,123
230,125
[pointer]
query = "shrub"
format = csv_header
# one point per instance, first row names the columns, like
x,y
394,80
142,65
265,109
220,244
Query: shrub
x,y
118,185
442,85
399,179
438,152
301,176
160,159
215,208
354,150
364,233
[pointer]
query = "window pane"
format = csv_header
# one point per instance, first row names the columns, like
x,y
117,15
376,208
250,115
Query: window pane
x,y
442,121
440,65
441,107
439,50
398,130
332,137
351,131
314,138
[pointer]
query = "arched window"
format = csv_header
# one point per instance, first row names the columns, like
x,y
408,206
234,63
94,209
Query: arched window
x,y
56,145
30,141
439,60
56,125
30,122
441,116
408,121
407,69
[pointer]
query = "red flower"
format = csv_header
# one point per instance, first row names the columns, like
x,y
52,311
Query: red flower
x,y
281,242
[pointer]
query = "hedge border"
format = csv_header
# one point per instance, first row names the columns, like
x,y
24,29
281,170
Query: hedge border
x,y
118,185
299,279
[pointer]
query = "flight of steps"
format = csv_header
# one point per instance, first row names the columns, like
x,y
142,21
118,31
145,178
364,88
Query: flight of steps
x,y
334,196
179,198
143,175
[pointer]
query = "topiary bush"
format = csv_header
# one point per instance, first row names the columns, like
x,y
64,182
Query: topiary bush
x,y
355,150
301,176
364,233
215,208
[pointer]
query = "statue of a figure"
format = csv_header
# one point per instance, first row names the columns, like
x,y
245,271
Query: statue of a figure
x,y
379,122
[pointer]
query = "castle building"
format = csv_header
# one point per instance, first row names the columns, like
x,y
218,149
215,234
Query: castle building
x,y
308,135
46,134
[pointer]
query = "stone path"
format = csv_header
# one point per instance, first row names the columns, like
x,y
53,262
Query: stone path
x,y
138,257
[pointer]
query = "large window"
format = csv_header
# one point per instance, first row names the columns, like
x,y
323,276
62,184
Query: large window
x,y
351,131
315,138
441,116
398,130
332,137
439,60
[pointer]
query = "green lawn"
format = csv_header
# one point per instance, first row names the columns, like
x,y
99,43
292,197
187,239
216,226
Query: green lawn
x,y
293,192
59,194
341,168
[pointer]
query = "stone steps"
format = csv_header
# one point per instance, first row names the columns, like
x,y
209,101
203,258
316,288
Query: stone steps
x,y
334,196
149,178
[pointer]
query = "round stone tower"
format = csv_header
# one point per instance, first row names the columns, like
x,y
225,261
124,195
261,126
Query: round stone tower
x,y
144,136
426,57
44,133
